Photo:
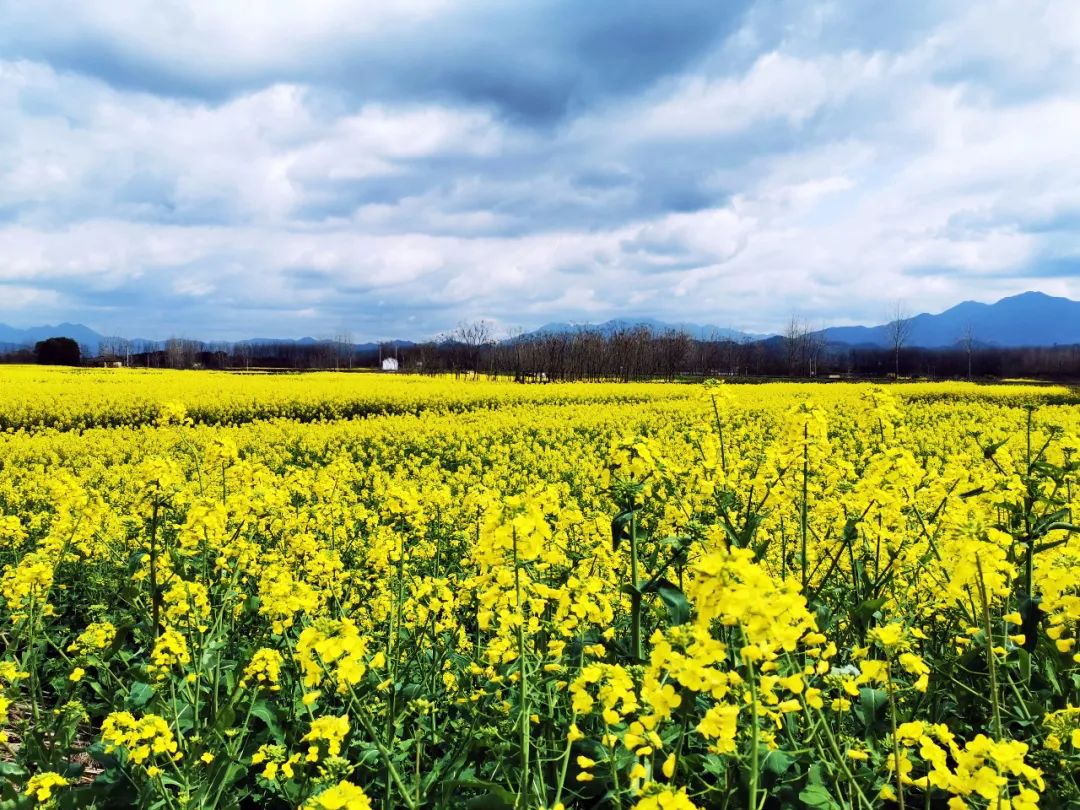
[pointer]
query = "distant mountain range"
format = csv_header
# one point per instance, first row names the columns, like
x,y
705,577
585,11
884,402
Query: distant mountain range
x,y
1028,319
310,341
13,338
608,328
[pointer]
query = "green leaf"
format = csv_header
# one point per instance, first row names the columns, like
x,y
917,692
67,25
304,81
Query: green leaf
x,y
498,799
225,718
775,764
866,609
620,527
1051,676
495,797
234,773
122,632
111,776
714,765
863,576
1048,521
817,796
139,695
872,703
134,561
851,531
11,770
678,543
265,712
677,604
1031,617
1051,544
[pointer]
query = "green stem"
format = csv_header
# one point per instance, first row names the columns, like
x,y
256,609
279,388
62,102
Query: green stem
x,y
523,685
896,742
616,793
754,742
720,432
564,765
635,594
991,663
802,509
395,776
841,759
155,599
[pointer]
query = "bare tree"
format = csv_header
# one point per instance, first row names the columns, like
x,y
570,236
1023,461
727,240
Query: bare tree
x,y
343,346
181,352
175,352
109,350
515,343
793,334
797,346
899,332
967,343
475,337
123,347
242,354
815,349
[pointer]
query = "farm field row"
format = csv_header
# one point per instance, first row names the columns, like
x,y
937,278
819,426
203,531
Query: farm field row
x,y
217,592
41,397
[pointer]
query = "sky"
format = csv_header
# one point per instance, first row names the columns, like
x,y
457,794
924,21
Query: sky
x,y
223,170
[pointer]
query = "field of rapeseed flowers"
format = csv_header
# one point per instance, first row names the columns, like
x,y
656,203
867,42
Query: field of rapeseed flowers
x,y
354,591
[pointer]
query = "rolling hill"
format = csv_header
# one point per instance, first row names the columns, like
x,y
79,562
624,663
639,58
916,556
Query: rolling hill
x,y
1028,319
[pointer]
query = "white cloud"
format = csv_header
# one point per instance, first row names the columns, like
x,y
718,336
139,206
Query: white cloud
x,y
228,38
249,159
825,177
778,87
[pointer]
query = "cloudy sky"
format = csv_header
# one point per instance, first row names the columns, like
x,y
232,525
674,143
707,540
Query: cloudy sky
x,y
208,170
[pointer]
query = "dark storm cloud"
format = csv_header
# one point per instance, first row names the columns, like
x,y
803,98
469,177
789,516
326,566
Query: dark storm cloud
x,y
534,63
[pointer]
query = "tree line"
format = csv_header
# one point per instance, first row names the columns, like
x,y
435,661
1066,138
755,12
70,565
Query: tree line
x,y
633,353
640,353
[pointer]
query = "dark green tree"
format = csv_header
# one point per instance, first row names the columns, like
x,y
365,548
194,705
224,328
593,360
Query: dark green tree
x,y
57,351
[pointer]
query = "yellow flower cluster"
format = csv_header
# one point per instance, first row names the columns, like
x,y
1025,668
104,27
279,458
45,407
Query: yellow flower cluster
x,y
667,595
334,649
42,785
342,796
264,669
145,737
995,771
96,637
330,731
170,651
277,760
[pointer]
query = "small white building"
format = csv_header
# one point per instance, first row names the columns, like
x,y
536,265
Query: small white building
x,y
389,364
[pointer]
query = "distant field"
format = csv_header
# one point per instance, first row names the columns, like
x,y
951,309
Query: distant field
x,y
226,590
41,396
